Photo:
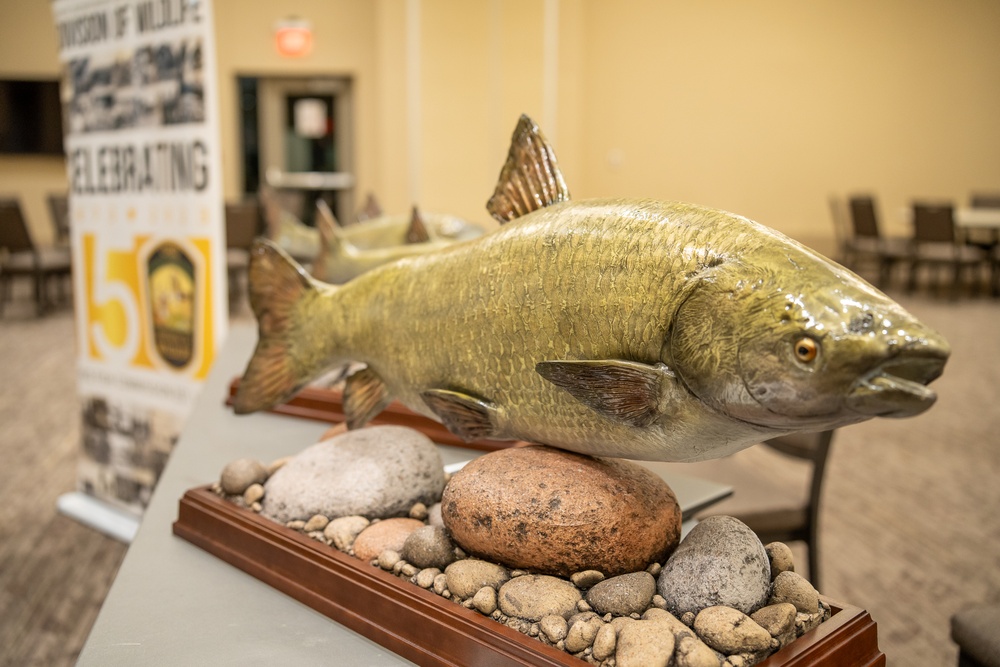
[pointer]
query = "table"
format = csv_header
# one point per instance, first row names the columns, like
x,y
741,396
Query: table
x,y
174,604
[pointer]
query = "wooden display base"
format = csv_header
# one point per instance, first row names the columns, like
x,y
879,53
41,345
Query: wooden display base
x,y
413,622
422,626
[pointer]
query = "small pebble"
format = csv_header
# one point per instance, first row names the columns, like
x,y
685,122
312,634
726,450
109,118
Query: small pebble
x,y
238,475
554,627
256,507
316,522
729,631
253,494
441,584
654,569
408,570
388,559
583,606
485,600
276,465
781,558
604,642
418,511
425,578
343,531
586,578
793,588
296,524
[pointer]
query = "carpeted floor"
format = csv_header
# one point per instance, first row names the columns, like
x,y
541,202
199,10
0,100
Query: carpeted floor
x,y
911,530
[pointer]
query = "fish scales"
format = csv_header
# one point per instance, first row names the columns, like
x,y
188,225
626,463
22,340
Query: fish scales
x,y
587,296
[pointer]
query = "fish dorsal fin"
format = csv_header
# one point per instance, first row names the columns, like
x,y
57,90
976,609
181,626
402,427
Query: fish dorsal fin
x,y
626,391
326,213
530,179
467,417
365,395
417,232
371,208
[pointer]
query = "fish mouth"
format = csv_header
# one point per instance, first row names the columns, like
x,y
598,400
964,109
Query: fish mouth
x,y
898,386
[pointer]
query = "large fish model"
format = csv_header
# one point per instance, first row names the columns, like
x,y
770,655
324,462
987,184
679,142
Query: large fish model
x,y
635,329
347,252
340,253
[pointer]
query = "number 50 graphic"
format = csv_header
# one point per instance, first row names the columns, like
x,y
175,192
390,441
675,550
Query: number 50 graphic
x,y
125,322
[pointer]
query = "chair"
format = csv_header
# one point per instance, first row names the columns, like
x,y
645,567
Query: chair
x,y
22,258
777,487
59,212
935,244
974,629
242,222
867,242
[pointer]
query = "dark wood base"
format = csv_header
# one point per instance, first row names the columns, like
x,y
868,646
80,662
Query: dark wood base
x,y
421,626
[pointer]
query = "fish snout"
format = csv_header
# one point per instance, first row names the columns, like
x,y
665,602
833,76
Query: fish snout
x,y
897,387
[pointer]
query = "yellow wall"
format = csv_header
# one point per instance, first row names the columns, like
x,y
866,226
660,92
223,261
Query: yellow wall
x,y
28,50
763,108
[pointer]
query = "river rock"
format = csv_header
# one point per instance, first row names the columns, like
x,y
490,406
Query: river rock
x,y
238,475
793,588
429,546
643,643
780,557
623,595
779,620
387,534
583,629
343,531
534,596
720,562
465,577
730,631
557,512
554,627
377,472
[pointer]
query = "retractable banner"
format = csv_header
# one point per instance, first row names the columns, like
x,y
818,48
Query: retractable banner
x,y
148,235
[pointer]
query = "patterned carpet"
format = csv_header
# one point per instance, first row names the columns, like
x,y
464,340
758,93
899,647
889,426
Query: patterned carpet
x,y
911,530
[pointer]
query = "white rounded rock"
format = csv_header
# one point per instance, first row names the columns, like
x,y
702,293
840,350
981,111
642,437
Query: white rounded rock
x,y
376,472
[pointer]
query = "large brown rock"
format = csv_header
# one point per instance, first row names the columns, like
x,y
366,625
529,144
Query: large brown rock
x,y
557,512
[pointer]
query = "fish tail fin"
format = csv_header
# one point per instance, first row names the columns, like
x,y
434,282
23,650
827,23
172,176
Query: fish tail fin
x,y
280,293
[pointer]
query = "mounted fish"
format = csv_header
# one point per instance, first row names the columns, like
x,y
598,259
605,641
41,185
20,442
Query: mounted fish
x,y
346,252
636,329
305,243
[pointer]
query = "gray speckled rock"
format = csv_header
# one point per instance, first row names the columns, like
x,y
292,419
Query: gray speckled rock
x,y
623,595
429,546
731,631
534,596
377,472
238,475
466,577
720,562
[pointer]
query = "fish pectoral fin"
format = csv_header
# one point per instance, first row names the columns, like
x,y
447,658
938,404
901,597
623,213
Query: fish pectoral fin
x,y
465,416
627,391
417,231
530,179
365,395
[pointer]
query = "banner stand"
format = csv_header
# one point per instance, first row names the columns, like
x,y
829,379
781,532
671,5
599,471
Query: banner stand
x,y
99,515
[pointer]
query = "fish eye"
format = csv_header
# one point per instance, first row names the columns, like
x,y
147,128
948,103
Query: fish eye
x,y
806,349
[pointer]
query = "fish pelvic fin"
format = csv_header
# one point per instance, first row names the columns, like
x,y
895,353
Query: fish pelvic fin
x,y
625,391
278,286
467,417
530,179
417,231
365,395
